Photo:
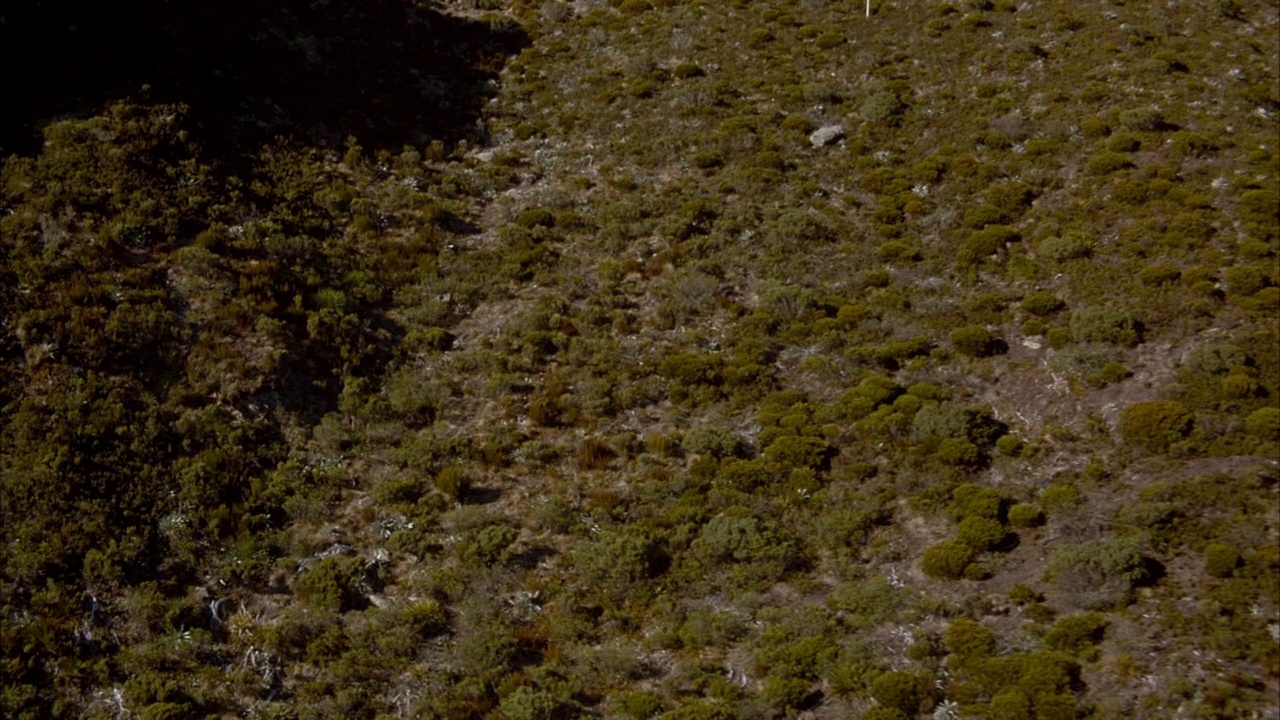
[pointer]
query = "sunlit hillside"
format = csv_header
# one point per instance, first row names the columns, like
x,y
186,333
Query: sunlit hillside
x,y
645,359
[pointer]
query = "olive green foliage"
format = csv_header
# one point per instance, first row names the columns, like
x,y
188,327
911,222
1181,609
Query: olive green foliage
x,y
947,560
1104,325
968,639
1264,423
974,501
973,341
1154,426
969,431
897,690
1221,560
1099,574
736,539
1214,359
622,555
1075,633
1042,302
1025,515
1063,248
979,533
332,583
528,360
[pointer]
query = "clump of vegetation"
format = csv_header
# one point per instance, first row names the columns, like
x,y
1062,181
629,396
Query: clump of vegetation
x,y
1098,575
1154,426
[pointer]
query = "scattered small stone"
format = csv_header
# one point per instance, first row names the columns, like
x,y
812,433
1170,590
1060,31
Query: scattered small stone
x,y
824,136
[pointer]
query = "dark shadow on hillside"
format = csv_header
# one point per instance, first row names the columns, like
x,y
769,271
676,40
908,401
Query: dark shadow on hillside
x,y
389,72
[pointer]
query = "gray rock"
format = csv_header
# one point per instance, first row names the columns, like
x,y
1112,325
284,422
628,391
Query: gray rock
x,y
824,136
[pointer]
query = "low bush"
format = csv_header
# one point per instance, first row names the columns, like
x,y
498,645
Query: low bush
x,y
332,584
1221,560
1042,303
1025,515
1064,247
981,534
1096,575
947,560
1154,426
1076,633
897,690
1104,325
974,341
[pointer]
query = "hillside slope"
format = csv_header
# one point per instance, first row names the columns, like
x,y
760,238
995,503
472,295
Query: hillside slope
x,y
619,391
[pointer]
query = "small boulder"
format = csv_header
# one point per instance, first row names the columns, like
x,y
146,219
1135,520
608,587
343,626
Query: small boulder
x,y
824,136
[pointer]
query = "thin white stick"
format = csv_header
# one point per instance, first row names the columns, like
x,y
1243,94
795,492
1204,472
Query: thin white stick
x,y
868,8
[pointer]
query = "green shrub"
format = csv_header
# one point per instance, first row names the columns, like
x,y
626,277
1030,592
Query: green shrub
x,y
947,560
959,453
167,711
488,547
714,440
882,107
405,490
1023,595
884,713
1059,497
594,453
1096,364
830,39
969,640
1076,633
731,538
526,703
973,341
1010,446
1025,515
784,693
897,689
1246,280
979,533
1124,142
1221,560
949,420
1214,359
1160,274
1061,248
797,451
876,389
332,583
427,618
638,704
1264,423
618,556
1142,119
1058,338
1042,303
1104,325
1154,426
974,501
897,250
1096,575
708,160
691,368
535,218
984,243
453,482
1034,326
1107,162
1095,127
